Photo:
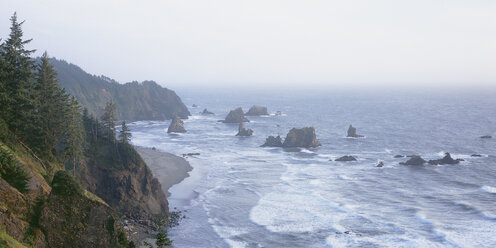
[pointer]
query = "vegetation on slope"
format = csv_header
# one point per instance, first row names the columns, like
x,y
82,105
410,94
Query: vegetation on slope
x,y
48,145
134,101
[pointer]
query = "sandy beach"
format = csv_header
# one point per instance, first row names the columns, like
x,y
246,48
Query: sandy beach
x,y
168,168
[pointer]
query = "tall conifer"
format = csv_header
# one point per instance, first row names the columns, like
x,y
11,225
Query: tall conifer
x,y
17,76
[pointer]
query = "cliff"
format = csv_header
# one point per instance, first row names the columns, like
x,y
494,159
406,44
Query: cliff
x,y
117,174
134,101
72,217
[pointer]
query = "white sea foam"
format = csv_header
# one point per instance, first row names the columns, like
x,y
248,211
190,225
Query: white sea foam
x,y
488,189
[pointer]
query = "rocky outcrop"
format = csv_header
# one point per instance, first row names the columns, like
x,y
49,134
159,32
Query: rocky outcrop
x,y
242,131
486,137
414,160
71,219
346,158
447,159
257,110
194,106
206,112
176,126
121,178
301,137
235,116
272,141
352,132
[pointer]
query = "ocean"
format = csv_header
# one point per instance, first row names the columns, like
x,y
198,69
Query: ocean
x,y
242,195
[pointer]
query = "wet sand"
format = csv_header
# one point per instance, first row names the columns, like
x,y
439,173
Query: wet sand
x,y
168,168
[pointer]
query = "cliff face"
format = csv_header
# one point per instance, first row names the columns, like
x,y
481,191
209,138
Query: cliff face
x,y
121,178
134,101
72,218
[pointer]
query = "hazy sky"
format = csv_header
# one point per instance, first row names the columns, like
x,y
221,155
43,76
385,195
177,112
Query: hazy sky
x,y
252,42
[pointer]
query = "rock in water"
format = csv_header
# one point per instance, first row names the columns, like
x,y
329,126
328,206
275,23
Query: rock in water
x,y
176,126
399,156
242,131
447,159
301,137
236,116
272,141
486,137
352,132
414,160
476,155
257,110
194,106
380,164
206,112
346,158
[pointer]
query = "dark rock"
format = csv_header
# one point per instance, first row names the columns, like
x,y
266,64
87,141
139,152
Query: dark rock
x,y
176,126
191,154
194,106
235,116
486,137
272,141
445,160
380,164
352,132
414,160
346,158
257,110
301,137
243,131
399,156
206,112
476,155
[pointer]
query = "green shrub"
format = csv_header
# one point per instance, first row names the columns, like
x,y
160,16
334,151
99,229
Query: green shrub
x,y
11,172
65,184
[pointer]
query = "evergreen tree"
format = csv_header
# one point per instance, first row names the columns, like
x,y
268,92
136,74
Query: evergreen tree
x,y
17,72
125,133
51,103
109,120
75,136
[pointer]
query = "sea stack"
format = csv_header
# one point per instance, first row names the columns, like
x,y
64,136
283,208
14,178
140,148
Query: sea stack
x,y
257,110
272,141
301,137
176,126
447,159
414,160
236,116
242,131
346,158
352,132
206,112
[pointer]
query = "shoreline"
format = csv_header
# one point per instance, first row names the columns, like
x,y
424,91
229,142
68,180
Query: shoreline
x,y
169,169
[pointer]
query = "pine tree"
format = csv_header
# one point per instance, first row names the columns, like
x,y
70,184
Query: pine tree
x,y
75,136
17,75
125,133
109,120
51,102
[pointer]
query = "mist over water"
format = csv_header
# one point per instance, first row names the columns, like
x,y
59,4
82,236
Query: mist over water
x,y
242,195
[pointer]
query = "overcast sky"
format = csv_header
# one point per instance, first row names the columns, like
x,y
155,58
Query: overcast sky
x,y
267,42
